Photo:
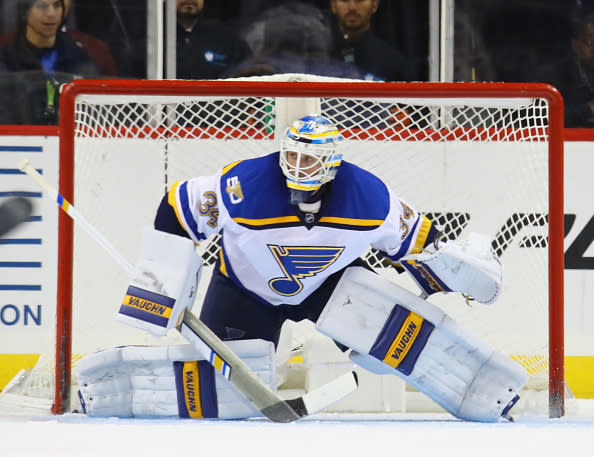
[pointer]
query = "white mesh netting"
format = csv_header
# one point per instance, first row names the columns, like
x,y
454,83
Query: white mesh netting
x,y
471,165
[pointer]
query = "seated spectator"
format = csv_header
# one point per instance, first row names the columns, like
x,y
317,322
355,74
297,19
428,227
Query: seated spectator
x,y
575,76
205,49
39,57
97,49
122,24
292,38
356,43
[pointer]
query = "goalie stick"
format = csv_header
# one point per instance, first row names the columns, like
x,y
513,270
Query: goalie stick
x,y
13,212
216,351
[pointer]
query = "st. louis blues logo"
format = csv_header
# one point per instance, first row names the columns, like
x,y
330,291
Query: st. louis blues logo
x,y
298,262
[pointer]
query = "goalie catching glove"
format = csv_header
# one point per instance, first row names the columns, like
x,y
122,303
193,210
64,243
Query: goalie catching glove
x,y
168,381
469,267
165,280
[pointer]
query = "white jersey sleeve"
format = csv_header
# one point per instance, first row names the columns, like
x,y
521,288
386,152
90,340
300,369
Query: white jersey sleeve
x,y
412,229
197,205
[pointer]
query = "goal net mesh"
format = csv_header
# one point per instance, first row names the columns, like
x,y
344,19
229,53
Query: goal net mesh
x,y
469,164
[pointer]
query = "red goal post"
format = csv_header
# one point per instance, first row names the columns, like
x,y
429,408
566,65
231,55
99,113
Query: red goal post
x,y
394,114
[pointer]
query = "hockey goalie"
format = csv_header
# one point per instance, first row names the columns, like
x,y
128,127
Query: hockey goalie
x,y
294,224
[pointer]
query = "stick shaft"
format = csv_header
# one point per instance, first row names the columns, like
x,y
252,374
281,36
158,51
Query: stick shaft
x,y
196,332
69,209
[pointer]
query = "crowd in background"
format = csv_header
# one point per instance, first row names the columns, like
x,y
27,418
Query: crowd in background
x,y
46,43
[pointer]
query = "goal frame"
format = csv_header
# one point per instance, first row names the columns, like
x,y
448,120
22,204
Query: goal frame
x,y
315,89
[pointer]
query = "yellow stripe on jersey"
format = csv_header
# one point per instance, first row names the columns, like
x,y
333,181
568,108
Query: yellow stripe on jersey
x,y
228,167
349,221
422,236
266,221
325,219
172,200
223,265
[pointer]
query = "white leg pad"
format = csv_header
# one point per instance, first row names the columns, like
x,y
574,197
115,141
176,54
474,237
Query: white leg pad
x,y
421,344
140,381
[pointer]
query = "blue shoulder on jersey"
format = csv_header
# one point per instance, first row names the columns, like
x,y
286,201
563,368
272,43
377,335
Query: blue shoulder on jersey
x,y
359,200
255,194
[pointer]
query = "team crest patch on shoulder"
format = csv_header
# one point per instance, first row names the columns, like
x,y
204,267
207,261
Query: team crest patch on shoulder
x,y
299,262
234,190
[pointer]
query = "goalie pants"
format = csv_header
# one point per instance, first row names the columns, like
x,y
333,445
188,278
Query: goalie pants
x,y
233,313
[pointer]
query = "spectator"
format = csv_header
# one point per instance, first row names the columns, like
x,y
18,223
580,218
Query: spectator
x,y
97,49
575,76
122,24
292,38
356,43
205,49
39,44
40,57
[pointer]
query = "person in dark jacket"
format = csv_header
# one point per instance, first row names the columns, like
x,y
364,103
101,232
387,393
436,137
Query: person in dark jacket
x,y
293,37
37,60
205,49
574,76
356,43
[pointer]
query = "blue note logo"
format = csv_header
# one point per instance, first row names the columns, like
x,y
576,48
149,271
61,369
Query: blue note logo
x,y
298,262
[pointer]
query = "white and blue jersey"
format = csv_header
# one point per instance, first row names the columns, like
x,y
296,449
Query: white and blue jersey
x,y
267,247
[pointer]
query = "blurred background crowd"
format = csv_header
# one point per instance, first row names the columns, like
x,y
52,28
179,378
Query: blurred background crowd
x,y
45,43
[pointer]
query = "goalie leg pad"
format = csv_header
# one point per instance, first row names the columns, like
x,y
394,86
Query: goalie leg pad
x,y
168,381
418,342
164,283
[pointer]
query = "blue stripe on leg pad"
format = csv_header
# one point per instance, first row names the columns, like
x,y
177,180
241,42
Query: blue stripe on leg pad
x,y
402,339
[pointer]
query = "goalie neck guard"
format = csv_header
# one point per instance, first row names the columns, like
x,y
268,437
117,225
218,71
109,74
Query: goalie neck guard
x,y
309,157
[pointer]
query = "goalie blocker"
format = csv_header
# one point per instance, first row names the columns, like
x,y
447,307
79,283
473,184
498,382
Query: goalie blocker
x,y
394,331
164,284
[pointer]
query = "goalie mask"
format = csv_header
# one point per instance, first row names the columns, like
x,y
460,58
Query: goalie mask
x,y
309,157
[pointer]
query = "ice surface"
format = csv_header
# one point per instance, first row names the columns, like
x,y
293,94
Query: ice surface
x,y
322,435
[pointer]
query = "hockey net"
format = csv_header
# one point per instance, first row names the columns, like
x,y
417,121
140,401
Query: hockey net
x,y
472,157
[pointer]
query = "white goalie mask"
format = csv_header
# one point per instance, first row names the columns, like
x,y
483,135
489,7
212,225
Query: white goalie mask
x,y
309,157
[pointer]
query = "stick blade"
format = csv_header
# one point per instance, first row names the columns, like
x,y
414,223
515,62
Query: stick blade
x,y
315,400
13,212
249,384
